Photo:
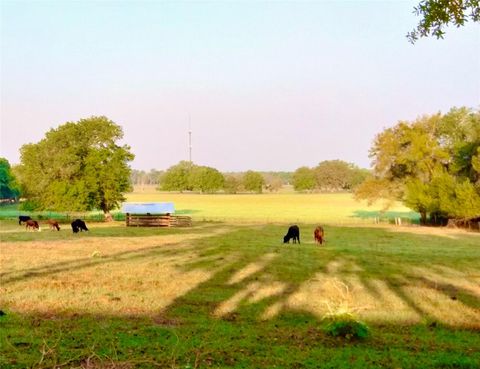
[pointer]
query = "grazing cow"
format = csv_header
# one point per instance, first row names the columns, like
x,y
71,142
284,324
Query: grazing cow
x,y
53,224
33,224
293,233
79,225
319,235
23,218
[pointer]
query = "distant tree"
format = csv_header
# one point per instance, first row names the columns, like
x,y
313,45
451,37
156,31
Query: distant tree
x,y
358,176
334,175
233,183
77,167
8,185
138,177
206,179
177,177
273,181
154,176
142,178
186,176
253,181
304,179
437,14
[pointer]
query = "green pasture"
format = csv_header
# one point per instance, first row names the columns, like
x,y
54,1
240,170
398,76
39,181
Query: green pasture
x,y
231,295
283,207
338,208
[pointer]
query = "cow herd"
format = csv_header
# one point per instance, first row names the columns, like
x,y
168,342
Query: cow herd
x,y
78,225
293,233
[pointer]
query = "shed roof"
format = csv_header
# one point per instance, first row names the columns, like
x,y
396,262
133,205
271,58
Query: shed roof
x,y
150,207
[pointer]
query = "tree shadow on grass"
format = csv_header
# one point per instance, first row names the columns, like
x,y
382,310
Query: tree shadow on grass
x,y
160,249
258,308
248,265
378,256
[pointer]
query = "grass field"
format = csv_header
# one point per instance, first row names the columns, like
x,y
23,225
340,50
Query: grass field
x,y
282,207
231,295
339,209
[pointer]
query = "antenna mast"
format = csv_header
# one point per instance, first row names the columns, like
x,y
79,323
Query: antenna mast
x,y
189,138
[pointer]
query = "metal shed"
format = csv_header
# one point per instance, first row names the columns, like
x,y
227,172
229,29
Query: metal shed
x,y
148,208
153,214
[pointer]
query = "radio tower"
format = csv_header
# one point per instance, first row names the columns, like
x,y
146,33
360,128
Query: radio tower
x,y
189,139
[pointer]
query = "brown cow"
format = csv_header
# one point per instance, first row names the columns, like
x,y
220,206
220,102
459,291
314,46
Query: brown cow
x,y
53,224
33,224
319,235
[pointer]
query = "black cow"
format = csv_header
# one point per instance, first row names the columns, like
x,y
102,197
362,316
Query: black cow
x,y
23,219
293,232
79,225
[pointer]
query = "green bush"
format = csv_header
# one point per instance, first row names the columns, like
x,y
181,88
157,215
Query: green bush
x,y
345,325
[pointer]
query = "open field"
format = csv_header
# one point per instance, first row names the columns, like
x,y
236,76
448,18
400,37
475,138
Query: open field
x,y
265,208
337,208
224,295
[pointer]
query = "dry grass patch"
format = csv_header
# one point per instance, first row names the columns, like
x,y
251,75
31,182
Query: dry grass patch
x,y
130,276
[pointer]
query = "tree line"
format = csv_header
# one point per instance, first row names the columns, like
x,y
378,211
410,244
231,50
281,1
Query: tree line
x,y
431,165
187,176
333,176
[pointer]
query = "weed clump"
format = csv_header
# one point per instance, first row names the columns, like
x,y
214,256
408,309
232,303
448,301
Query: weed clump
x,y
345,325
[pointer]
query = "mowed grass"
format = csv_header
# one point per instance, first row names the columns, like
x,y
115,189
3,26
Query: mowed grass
x,y
226,295
270,208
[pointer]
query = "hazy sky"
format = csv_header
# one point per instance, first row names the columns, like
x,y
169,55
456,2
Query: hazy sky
x,y
268,85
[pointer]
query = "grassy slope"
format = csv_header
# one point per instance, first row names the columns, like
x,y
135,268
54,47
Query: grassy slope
x,y
220,295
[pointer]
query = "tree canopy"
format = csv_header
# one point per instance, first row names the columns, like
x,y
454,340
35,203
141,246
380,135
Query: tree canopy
x,y
206,179
431,164
438,14
8,185
176,178
253,181
304,179
338,175
329,175
77,167
186,176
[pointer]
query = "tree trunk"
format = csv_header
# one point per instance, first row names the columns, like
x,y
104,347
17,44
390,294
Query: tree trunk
x,y
452,223
423,217
108,216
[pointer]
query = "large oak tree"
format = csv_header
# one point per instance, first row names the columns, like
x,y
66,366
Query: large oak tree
x,y
431,164
78,166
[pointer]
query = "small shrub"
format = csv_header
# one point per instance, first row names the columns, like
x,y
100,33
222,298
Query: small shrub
x,y
29,205
345,325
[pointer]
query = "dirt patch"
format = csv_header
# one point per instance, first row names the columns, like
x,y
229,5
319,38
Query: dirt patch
x,y
435,231
90,363
166,321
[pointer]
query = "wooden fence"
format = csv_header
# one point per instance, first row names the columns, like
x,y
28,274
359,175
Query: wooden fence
x,y
135,220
